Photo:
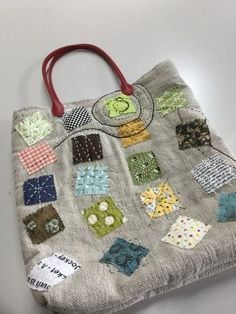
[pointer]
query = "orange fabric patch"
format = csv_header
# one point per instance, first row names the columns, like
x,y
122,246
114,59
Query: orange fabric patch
x,y
132,128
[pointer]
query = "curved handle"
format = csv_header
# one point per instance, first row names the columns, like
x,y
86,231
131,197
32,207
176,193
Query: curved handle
x,y
51,59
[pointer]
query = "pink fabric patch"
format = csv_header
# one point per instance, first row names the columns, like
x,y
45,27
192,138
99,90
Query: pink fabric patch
x,y
37,157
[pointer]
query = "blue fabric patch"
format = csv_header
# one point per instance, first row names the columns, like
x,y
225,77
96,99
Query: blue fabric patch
x,y
39,190
125,256
92,180
227,207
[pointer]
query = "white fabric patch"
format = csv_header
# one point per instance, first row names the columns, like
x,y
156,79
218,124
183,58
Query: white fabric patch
x,y
50,271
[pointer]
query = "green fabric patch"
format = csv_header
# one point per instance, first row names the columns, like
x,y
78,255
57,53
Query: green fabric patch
x,y
120,105
103,217
34,128
143,167
170,100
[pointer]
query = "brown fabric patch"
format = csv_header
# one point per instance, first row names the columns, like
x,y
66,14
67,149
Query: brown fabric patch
x,y
43,224
132,128
86,148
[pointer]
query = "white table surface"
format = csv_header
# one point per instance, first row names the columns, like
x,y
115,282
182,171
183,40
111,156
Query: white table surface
x,y
198,35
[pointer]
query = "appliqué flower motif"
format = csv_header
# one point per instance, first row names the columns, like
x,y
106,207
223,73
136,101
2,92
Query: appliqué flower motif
x,y
52,226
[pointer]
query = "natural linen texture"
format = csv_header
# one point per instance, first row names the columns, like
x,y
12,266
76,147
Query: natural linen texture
x,y
98,286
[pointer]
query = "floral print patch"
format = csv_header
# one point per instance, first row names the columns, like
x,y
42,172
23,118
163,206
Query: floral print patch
x,y
103,217
160,201
170,100
227,207
34,128
120,105
136,127
143,167
75,117
186,232
193,134
43,224
124,256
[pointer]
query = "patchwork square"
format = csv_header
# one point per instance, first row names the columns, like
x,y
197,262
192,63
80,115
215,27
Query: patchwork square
x,y
120,105
160,201
193,134
75,117
86,148
43,224
103,217
34,128
227,207
39,190
130,128
143,167
92,180
170,100
124,256
37,157
213,173
186,232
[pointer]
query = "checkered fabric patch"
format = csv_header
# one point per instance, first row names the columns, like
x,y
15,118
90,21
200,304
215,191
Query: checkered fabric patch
x,y
37,157
75,118
92,180
213,173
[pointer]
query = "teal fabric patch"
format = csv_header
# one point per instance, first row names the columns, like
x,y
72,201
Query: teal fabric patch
x,y
125,256
120,105
227,207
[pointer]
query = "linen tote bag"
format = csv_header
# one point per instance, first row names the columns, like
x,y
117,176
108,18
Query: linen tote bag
x,y
123,197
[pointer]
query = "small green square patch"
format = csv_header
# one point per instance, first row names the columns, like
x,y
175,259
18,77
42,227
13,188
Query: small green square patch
x,y
103,217
170,100
143,167
120,105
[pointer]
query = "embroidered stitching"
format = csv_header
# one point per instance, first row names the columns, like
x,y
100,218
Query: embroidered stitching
x,y
227,207
75,117
119,105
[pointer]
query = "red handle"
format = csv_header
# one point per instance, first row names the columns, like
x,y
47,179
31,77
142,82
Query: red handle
x,y
51,59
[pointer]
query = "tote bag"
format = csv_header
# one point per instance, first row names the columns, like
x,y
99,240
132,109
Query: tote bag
x,y
123,197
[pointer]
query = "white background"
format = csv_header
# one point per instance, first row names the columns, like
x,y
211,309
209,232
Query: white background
x,y
198,35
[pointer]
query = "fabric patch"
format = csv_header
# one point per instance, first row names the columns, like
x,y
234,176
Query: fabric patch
x,y
213,173
37,157
34,128
160,201
86,148
170,100
75,117
186,232
92,180
39,190
193,134
227,207
103,217
120,105
132,128
50,271
125,256
43,224
143,167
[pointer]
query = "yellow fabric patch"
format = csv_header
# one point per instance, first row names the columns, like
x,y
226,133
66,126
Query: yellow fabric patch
x,y
160,201
133,127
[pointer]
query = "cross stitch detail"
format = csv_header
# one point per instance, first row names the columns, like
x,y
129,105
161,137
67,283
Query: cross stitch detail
x,y
160,201
120,105
132,128
170,100
43,224
125,256
39,190
193,134
34,128
143,167
103,217
86,148
213,173
37,157
92,180
186,232
75,117
227,207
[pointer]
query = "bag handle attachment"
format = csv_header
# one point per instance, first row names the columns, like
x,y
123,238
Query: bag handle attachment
x,y
52,58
